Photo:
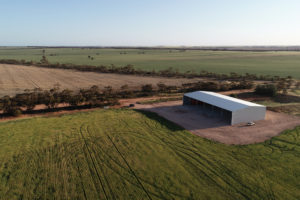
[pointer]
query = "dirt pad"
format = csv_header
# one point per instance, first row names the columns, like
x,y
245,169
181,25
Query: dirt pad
x,y
215,129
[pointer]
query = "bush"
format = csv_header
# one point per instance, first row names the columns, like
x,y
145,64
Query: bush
x,y
266,89
14,111
147,88
234,95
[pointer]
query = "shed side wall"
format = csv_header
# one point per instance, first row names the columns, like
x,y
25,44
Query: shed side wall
x,y
248,115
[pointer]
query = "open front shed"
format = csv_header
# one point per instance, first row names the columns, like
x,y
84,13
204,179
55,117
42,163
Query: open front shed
x,y
231,109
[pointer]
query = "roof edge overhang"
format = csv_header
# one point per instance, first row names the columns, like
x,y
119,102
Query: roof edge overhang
x,y
240,104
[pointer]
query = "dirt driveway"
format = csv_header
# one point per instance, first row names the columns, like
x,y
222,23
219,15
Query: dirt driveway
x,y
211,128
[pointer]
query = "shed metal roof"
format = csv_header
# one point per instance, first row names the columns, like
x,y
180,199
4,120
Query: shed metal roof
x,y
221,101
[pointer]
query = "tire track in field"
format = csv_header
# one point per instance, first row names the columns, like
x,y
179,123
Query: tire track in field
x,y
209,166
133,183
69,149
101,168
145,181
9,81
109,166
266,185
27,77
64,162
137,185
207,175
81,182
10,75
117,171
285,141
168,144
94,165
133,173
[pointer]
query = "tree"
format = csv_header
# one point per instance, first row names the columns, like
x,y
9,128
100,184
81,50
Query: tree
x,y
76,100
147,88
44,60
266,89
48,99
94,95
52,97
124,87
107,92
284,84
224,87
66,95
161,87
297,85
234,95
29,100
9,106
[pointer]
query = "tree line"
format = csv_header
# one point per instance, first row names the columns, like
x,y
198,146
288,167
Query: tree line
x,y
96,97
51,98
129,69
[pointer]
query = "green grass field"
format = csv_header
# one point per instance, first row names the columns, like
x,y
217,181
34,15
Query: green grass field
x,y
265,63
126,154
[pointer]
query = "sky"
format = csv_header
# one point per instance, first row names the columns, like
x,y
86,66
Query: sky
x,y
149,22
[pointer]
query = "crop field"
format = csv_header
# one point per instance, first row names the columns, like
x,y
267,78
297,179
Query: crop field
x,y
265,63
128,154
15,79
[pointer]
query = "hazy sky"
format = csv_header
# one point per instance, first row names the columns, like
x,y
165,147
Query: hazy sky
x,y
150,22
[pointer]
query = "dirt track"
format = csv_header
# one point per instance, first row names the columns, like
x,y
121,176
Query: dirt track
x,y
214,129
15,79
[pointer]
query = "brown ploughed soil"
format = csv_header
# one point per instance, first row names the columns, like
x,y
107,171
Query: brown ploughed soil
x,y
16,78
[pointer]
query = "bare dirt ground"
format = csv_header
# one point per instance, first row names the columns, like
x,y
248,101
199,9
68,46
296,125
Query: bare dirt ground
x,y
211,128
15,79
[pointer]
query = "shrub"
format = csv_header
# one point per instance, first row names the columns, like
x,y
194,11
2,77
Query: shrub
x,y
147,88
266,89
15,112
234,95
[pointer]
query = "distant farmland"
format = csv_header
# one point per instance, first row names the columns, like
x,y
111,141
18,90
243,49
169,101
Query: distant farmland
x,y
15,79
125,154
265,63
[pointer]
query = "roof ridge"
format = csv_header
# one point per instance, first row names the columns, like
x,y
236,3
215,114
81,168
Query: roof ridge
x,y
222,101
